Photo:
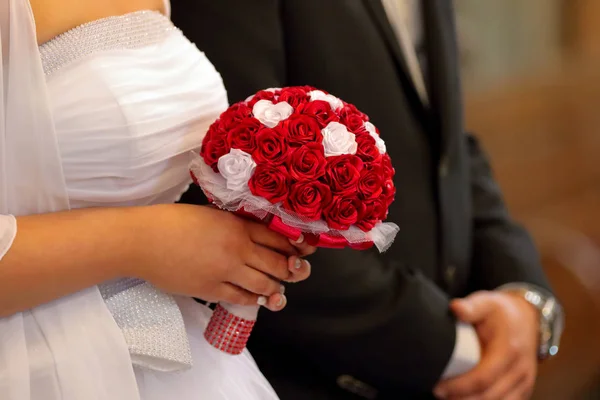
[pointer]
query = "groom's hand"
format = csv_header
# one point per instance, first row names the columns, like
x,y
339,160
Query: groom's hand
x,y
507,327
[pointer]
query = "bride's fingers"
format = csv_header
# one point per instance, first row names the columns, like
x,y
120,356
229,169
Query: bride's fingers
x,y
256,282
300,269
269,262
263,236
233,294
304,249
276,302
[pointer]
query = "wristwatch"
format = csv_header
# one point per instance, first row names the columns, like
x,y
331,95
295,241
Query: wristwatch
x,y
552,319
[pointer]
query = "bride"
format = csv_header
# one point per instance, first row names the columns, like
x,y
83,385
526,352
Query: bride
x,y
101,106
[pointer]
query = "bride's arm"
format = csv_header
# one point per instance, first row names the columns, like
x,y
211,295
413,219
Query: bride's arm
x,y
61,253
187,250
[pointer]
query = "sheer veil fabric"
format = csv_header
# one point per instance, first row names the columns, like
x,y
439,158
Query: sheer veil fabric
x,y
32,181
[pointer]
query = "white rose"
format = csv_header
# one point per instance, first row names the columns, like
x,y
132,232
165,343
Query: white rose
x,y
236,167
270,114
337,140
333,101
378,140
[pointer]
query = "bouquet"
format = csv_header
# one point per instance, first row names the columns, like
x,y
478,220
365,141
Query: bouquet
x,y
305,163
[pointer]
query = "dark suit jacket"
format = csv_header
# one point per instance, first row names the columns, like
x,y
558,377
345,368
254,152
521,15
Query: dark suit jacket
x,y
377,325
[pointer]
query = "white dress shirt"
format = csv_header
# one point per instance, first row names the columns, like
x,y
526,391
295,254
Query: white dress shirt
x,y
405,17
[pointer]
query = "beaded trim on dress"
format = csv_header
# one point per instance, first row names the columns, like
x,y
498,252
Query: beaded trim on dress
x,y
150,320
129,31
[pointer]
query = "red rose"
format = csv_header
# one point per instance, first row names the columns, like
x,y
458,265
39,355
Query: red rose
x,y
262,95
388,194
308,88
388,169
294,96
307,199
308,162
212,149
209,135
370,214
234,115
367,148
319,110
216,130
343,173
370,183
342,212
375,166
350,109
302,129
355,123
242,135
270,182
271,147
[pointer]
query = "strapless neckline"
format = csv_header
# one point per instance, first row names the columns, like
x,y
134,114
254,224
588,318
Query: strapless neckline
x,y
129,31
131,98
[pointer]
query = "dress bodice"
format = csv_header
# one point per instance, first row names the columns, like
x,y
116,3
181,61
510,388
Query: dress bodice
x,y
130,97
107,121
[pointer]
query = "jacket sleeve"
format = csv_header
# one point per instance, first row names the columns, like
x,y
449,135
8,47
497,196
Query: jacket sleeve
x,y
503,251
359,314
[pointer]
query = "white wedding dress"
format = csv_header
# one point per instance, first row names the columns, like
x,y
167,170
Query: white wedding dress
x,y
127,99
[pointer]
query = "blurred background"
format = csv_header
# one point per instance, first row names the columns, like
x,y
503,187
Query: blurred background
x,y
531,71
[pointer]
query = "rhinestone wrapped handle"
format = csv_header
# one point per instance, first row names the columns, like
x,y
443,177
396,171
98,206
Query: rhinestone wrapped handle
x,y
230,326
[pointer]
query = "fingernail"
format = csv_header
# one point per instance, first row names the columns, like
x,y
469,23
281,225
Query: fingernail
x,y
282,289
300,239
282,301
298,263
306,264
262,300
440,394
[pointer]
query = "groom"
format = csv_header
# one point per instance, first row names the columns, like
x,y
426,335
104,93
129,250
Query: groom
x,y
384,326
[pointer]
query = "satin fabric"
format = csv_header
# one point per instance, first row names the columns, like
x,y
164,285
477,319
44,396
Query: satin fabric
x,y
113,128
32,181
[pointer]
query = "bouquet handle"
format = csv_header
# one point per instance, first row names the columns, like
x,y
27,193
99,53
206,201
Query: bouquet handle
x,y
230,326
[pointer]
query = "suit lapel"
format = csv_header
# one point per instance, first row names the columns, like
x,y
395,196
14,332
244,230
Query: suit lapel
x,y
377,12
442,74
443,70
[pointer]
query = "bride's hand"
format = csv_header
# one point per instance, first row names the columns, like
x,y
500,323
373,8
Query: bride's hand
x,y
216,256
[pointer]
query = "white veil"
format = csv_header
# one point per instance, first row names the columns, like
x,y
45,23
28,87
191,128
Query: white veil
x,y
91,359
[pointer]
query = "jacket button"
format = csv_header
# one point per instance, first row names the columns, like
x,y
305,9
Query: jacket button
x,y
443,167
353,385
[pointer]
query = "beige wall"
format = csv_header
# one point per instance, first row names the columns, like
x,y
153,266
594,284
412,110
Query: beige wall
x,y
502,39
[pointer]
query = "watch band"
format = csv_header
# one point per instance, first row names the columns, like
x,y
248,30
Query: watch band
x,y
550,312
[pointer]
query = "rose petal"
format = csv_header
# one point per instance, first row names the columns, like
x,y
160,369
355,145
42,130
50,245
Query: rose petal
x,y
236,167
333,101
378,140
337,140
270,114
